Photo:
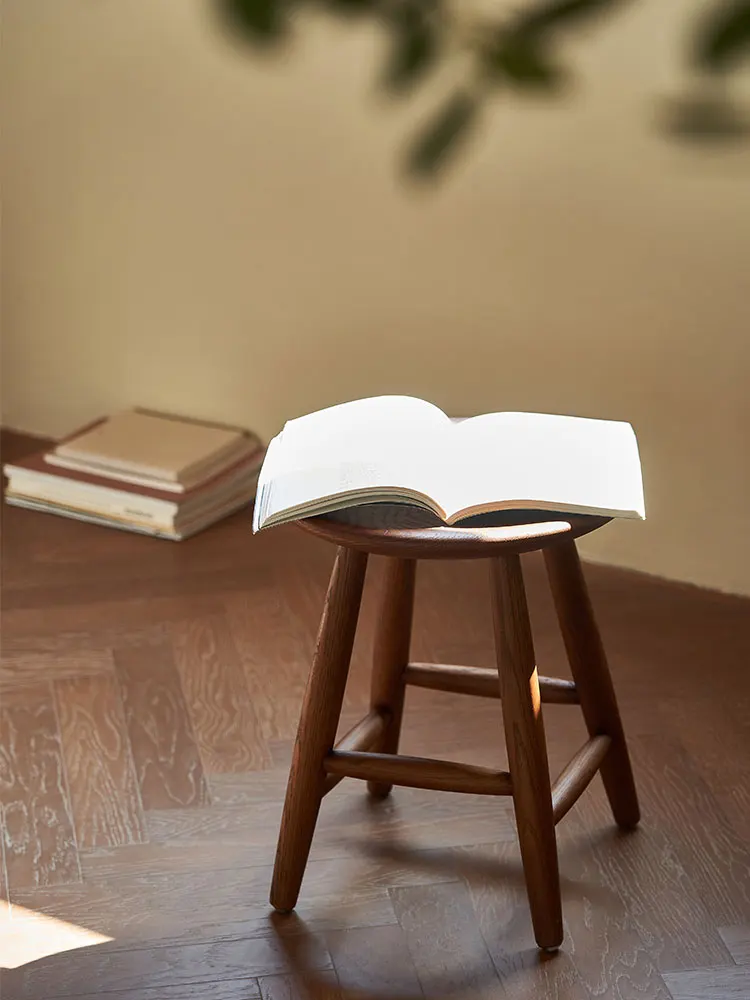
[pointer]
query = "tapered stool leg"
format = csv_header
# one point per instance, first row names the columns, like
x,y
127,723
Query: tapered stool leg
x,y
391,656
317,728
527,750
588,664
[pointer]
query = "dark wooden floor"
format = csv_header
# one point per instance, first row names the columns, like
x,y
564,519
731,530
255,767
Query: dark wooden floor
x,y
150,692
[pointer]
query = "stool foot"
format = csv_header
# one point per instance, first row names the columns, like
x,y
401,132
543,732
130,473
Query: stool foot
x,y
377,790
588,664
391,655
317,728
527,750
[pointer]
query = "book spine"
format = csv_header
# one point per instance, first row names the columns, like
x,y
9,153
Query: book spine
x,y
125,510
78,515
105,473
59,490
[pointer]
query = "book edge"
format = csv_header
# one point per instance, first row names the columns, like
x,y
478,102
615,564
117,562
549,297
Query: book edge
x,y
35,467
61,451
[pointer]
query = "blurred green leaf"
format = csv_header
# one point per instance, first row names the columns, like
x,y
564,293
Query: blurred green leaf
x,y
352,7
724,37
705,119
415,47
442,135
522,64
541,17
519,52
516,50
259,21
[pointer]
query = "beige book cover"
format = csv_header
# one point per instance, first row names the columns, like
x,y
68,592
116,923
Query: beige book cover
x,y
152,447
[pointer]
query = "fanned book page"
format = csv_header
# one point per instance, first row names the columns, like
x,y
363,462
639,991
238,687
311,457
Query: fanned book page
x,y
397,449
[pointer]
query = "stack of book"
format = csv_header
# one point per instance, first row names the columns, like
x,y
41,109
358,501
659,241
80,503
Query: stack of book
x,y
142,471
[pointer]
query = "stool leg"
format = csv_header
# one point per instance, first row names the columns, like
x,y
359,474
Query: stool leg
x,y
391,656
317,727
527,750
588,664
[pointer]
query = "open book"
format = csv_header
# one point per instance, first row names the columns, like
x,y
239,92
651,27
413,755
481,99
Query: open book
x,y
397,449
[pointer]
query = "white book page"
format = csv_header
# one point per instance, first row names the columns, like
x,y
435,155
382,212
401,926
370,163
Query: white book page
x,y
370,430
384,442
527,457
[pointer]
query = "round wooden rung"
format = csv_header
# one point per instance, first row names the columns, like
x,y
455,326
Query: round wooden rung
x,y
418,772
575,778
482,681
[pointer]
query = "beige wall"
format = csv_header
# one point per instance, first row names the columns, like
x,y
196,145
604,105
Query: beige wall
x,y
190,228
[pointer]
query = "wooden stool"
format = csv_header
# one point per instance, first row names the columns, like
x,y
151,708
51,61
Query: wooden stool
x,y
369,750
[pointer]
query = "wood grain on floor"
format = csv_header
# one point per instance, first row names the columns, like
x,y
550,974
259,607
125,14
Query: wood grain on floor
x,y
167,761
219,704
38,838
737,940
708,984
104,793
445,941
149,694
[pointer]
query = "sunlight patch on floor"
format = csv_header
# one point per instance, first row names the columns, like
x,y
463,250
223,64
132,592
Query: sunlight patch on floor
x,y
26,936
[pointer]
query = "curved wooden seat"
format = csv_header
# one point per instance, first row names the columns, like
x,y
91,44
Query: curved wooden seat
x,y
474,542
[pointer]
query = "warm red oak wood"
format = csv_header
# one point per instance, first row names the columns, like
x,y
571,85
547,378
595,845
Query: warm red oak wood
x,y
576,777
527,750
317,729
370,750
588,664
364,736
366,733
391,654
418,772
452,543
482,681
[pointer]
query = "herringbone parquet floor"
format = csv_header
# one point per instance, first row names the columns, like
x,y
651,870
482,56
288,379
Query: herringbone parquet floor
x,y
148,700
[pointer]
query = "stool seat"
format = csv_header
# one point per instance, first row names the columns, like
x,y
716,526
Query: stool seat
x,y
370,750
409,534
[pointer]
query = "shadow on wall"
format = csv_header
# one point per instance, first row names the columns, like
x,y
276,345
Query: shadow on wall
x,y
513,49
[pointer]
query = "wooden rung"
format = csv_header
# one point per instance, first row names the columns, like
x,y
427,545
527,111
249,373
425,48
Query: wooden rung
x,y
577,775
363,736
365,733
482,681
417,772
